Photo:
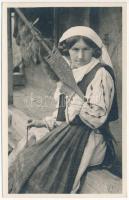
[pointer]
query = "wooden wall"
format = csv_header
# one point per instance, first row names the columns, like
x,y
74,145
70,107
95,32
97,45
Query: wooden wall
x,y
110,30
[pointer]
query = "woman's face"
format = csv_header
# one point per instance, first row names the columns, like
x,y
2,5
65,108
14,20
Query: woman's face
x,y
80,54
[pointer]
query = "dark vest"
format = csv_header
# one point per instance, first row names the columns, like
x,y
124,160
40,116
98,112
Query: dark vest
x,y
83,84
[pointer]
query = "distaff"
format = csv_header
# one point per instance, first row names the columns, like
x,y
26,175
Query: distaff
x,y
55,60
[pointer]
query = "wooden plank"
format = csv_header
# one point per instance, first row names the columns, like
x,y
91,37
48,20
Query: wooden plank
x,y
18,133
19,122
101,182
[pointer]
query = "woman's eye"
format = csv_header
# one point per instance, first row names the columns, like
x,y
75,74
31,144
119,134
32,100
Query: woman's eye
x,y
75,49
86,49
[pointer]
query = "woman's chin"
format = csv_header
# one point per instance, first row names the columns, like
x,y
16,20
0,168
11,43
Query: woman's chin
x,y
78,65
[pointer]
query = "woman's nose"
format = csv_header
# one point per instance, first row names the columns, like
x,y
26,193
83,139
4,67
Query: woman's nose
x,y
80,54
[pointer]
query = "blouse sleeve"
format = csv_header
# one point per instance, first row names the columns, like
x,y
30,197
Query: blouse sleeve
x,y
99,96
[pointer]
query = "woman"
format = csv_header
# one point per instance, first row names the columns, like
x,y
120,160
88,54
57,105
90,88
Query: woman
x,y
78,131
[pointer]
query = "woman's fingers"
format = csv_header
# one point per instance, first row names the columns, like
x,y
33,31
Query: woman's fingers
x,y
30,120
30,123
35,123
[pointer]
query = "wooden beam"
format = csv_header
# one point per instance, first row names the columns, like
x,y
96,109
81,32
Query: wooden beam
x,y
10,60
94,19
55,26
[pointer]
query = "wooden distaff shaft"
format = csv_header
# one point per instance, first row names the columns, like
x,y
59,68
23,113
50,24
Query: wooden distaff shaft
x,y
30,26
55,60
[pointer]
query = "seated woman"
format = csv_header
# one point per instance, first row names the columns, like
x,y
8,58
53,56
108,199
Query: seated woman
x,y
77,134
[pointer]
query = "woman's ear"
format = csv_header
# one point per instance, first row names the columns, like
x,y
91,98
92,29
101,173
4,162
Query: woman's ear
x,y
60,46
97,52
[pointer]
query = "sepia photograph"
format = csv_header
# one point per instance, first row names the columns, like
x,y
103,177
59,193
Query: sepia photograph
x,y
65,73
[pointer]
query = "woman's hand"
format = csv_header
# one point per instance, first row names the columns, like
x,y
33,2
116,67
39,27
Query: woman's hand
x,y
35,123
74,107
51,123
65,89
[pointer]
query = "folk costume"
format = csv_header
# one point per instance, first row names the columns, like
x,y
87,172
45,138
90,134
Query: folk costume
x,y
80,136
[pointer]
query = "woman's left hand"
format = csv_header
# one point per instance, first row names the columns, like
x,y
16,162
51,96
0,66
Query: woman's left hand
x,y
65,89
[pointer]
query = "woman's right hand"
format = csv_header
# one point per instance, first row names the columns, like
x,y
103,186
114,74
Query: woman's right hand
x,y
35,123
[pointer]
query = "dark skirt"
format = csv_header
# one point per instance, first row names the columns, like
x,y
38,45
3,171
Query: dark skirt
x,y
51,165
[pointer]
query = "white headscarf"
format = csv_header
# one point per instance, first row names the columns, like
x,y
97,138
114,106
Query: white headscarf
x,y
92,35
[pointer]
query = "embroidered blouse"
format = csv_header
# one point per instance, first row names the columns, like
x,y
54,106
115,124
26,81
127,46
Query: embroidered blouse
x,y
99,96
93,112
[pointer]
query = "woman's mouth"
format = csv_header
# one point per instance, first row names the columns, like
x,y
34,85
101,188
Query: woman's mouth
x,y
80,62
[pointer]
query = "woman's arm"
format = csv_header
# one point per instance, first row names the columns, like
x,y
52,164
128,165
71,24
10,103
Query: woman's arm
x,y
99,96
